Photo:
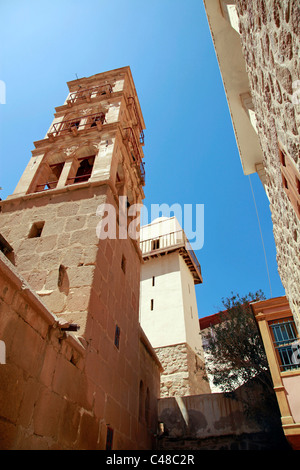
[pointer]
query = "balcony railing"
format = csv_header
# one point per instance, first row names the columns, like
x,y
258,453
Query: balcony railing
x,y
74,125
79,179
132,102
89,93
129,137
168,241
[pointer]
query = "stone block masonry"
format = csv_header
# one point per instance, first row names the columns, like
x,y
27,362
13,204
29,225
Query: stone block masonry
x,y
60,263
270,32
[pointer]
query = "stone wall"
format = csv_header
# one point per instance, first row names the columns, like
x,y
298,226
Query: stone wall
x,y
270,32
182,371
68,242
60,392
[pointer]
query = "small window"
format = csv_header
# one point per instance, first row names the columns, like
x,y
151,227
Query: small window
x,y
298,184
141,404
155,244
153,281
53,176
75,124
99,118
36,230
109,438
84,170
147,407
117,337
282,157
123,264
284,182
152,304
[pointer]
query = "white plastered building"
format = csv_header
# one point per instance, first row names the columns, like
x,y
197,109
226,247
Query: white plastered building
x,y
168,306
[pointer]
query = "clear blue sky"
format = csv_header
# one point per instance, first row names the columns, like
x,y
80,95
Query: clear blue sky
x,y
191,155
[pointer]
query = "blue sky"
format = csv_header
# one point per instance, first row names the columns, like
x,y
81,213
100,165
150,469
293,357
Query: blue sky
x,y
191,156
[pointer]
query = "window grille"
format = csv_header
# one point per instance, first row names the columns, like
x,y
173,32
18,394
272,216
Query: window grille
x,y
286,343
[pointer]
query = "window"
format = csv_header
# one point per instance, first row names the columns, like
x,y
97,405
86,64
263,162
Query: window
x,y
147,407
153,281
36,230
141,398
75,124
70,126
117,337
100,118
155,244
51,180
290,179
123,264
84,170
152,304
109,438
286,344
284,182
282,157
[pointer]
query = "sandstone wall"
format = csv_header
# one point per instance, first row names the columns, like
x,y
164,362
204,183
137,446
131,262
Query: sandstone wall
x,y
270,32
68,240
95,290
58,393
218,422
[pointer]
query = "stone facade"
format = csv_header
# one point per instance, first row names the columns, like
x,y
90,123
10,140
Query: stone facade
x,y
183,371
270,32
257,47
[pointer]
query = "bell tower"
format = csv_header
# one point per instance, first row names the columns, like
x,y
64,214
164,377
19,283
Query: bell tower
x,y
91,155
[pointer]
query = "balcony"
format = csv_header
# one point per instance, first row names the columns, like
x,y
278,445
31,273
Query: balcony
x,y
73,126
173,241
103,91
131,102
133,149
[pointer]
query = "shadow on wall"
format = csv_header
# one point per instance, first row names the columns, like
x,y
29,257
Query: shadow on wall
x,y
241,419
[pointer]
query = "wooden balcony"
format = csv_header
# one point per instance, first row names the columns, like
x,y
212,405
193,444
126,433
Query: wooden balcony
x,y
87,94
169,242
73,126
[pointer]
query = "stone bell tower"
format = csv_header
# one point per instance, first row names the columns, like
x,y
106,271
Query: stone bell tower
x,y
91,155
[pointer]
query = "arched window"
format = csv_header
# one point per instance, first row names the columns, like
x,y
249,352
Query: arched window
x,y
141,401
